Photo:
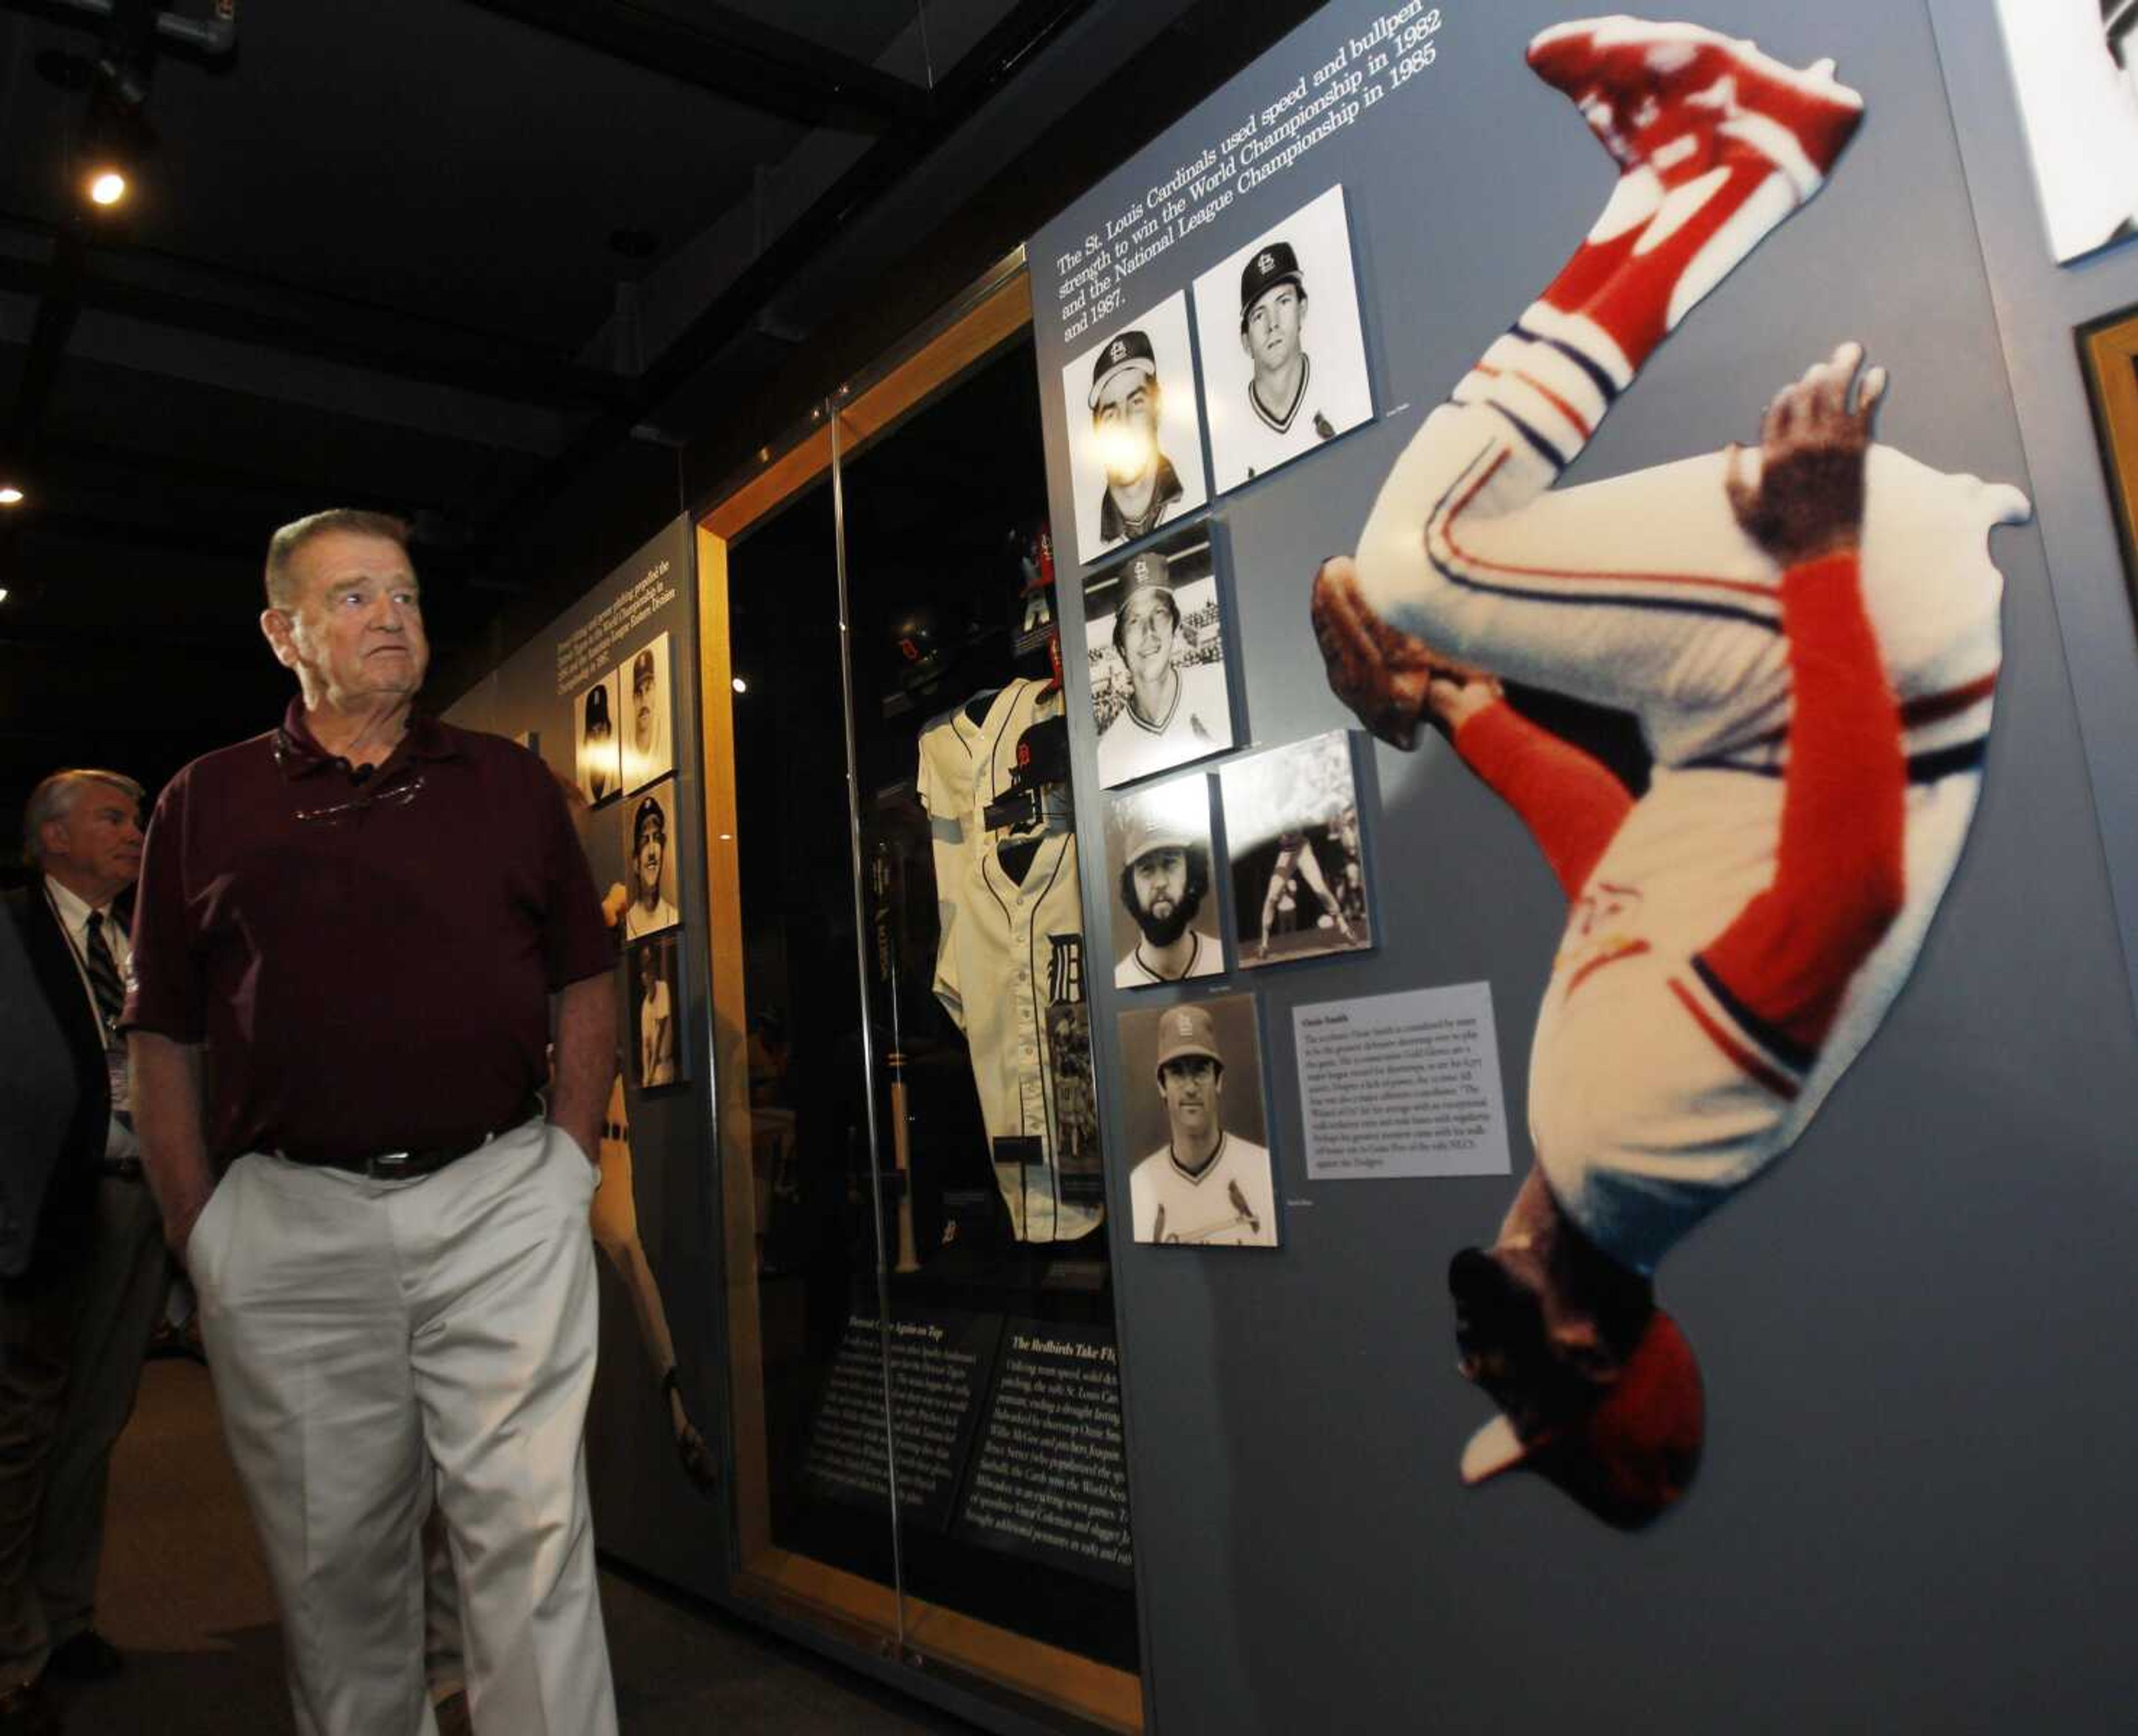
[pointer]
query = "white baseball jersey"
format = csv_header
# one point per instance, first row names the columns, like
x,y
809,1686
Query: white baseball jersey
x,y
1653,1099
1259,437
1231,1203
1206,957
966,765
1199,722
638,920
1009,948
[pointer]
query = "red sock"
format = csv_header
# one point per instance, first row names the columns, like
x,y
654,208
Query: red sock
x,y
1572,805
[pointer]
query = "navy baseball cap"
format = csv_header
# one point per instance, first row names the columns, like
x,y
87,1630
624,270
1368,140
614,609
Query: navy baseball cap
x,y
1127,349
1147,572
648,818
1271,266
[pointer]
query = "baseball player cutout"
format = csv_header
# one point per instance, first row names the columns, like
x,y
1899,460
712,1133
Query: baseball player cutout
x,y
1176,711
1204,1187
1165,876
1809,639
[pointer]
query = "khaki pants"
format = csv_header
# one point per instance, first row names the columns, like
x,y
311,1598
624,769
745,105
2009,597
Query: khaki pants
x,y
70,1354
360,1332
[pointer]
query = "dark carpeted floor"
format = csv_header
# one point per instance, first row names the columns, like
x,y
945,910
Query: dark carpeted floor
x,y
183,1593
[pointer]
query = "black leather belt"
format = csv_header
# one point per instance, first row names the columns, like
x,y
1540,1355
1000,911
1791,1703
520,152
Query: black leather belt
x,y
402,1166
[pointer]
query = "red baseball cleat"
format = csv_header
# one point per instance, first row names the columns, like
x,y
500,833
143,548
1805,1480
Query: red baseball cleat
x,y
1679,98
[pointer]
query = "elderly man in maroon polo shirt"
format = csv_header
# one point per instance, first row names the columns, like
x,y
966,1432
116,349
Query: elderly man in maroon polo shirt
x,y
355,935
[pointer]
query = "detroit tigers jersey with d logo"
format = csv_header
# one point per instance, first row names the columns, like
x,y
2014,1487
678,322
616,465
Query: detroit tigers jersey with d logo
x,y
1010,947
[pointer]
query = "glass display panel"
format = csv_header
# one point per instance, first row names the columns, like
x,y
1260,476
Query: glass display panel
x,y
1006,1408
820,1337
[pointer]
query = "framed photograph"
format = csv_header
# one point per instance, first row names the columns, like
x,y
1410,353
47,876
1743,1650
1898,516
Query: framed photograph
x,y
651,835
2075,66
2108,355
1193,1096
1159,864
598,752
1297,861
1298,378
653,997
1154,648
1135,439
649,750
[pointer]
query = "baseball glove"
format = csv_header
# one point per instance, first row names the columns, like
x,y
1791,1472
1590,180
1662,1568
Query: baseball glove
x,y
1381,673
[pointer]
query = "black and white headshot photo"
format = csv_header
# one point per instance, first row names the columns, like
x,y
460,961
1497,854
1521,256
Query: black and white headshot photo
x,y
1166,896
647,751
1298,867
651,834
2075,63
1193,1096
1298,379
654,997
1154,647
1135,440
595,733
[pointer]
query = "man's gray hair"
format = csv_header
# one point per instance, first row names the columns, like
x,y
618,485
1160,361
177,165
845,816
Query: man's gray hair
x,y
54,798
283,546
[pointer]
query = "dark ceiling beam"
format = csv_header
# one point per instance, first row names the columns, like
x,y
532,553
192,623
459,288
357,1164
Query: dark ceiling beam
x,y
971,85
210,40
733,55
406,352
136,467
59,304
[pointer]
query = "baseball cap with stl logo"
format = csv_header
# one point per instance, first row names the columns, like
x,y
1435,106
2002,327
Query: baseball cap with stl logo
x,y
1129,349
1185,1030
1147,572
1274,265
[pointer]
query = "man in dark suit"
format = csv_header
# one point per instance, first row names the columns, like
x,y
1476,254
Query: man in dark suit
x,y
88,1263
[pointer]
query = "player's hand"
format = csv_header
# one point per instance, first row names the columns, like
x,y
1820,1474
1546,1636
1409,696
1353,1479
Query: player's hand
x,y
1807,500
1454,696
1381,673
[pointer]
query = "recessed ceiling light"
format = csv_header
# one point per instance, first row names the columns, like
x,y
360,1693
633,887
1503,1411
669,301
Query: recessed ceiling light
x,y
740,685
107,188
3,593
10,495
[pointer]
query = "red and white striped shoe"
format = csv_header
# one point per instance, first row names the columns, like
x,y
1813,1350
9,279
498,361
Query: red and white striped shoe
x,y
1679,98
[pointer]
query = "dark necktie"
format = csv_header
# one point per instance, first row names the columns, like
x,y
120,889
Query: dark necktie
x,y
103,976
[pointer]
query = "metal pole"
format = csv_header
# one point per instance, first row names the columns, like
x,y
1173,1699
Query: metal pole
x,y
868,1033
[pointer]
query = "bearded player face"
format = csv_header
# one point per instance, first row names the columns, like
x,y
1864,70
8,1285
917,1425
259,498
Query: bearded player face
x,y
1164,889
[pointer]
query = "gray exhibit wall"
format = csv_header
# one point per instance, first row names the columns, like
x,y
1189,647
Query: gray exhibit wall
x,y
2039,304
1917,1505
647,1511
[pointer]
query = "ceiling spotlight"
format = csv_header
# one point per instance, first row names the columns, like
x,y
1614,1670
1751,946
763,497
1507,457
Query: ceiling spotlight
x,y
10,495
3,593
740,685
107,186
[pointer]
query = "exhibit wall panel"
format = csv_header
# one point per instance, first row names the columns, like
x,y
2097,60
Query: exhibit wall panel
x,y
1914,1331
660,1271
2039,304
